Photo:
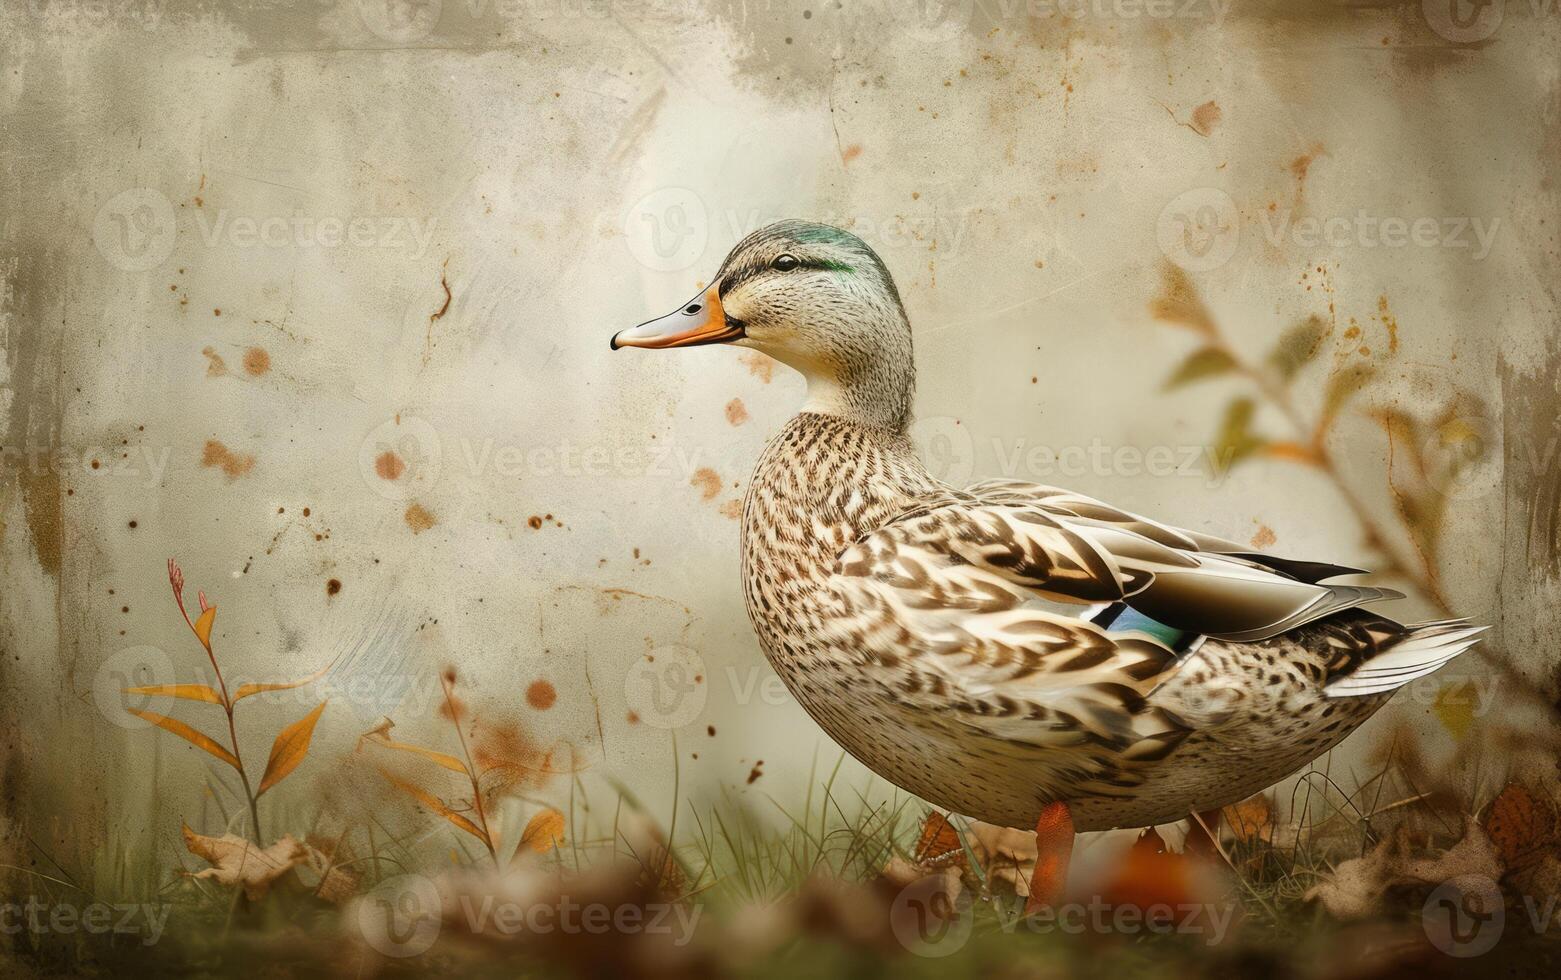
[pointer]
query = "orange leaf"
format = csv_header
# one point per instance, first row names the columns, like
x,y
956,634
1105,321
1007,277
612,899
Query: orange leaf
x,y
289,749
543,832
1520,825
245,690
938,840
1251,819
189,692
187,733
203,627
444,759
437,805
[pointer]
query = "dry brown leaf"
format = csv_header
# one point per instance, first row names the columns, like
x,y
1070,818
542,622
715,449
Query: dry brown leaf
x,y
543,832
1359,887
203,626
195,738
326,858
189,692
245,690
437,805
1251,819
939,841
1006,855
289,749
1521,825
239,862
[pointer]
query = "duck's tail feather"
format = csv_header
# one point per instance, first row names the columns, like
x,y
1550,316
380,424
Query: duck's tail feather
x,y
1424,648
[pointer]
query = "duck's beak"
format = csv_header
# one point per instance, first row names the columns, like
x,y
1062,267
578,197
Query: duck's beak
x,y
700,321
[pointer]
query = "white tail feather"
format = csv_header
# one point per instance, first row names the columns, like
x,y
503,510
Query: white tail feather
x,y
1427,648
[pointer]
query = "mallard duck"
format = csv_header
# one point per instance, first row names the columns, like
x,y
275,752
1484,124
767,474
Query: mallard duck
x,y
1016,653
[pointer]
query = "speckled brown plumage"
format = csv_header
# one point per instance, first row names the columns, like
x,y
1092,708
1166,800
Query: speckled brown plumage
x,y
953,640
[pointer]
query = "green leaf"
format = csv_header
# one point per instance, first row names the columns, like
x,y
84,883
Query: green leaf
x,y
1343,386
1205,362
1236,440
1298,346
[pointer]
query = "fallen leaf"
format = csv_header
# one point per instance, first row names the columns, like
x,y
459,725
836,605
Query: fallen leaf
x,y
543,832
1359,887
1298,346
938,840
1251,819
239,862
1521,825
195,738
289,749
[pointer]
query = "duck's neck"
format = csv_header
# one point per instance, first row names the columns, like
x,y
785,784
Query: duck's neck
x,y
873,388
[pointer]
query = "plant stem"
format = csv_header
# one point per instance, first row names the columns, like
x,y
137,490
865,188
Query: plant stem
x,y
471,771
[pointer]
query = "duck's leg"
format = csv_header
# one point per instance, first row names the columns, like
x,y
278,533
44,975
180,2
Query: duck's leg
x,y
1053,849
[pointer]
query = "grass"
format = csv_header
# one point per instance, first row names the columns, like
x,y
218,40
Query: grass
x,y
782,889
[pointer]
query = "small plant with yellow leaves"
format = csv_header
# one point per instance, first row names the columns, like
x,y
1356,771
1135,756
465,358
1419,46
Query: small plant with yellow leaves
x,y
292,743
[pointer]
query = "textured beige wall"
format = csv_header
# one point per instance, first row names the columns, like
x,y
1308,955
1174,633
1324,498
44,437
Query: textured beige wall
x,y
437,214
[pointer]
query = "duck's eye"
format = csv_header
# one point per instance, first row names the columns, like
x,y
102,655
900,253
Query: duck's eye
x,y
785,263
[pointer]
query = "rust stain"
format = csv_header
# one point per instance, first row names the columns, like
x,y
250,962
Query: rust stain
x,y
389,466
1265,537
419,518
257,361
755,772
216,367
44,509
541,695
707,482
1206,117
758,365
333,586
1390,321
851,153
732,509
534,522
233,464
736,412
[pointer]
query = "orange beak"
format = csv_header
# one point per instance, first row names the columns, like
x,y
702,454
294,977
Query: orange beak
x,y
700,321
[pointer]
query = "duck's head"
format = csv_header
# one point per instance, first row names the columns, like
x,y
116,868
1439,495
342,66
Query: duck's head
x,y
815,298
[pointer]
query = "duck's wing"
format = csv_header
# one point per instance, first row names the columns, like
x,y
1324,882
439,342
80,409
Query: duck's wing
x,y
1003,542
958,599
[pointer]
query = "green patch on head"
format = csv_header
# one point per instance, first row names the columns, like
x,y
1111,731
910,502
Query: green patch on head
x,y
834,266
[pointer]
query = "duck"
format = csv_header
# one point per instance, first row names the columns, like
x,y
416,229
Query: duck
x,y
1019,654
